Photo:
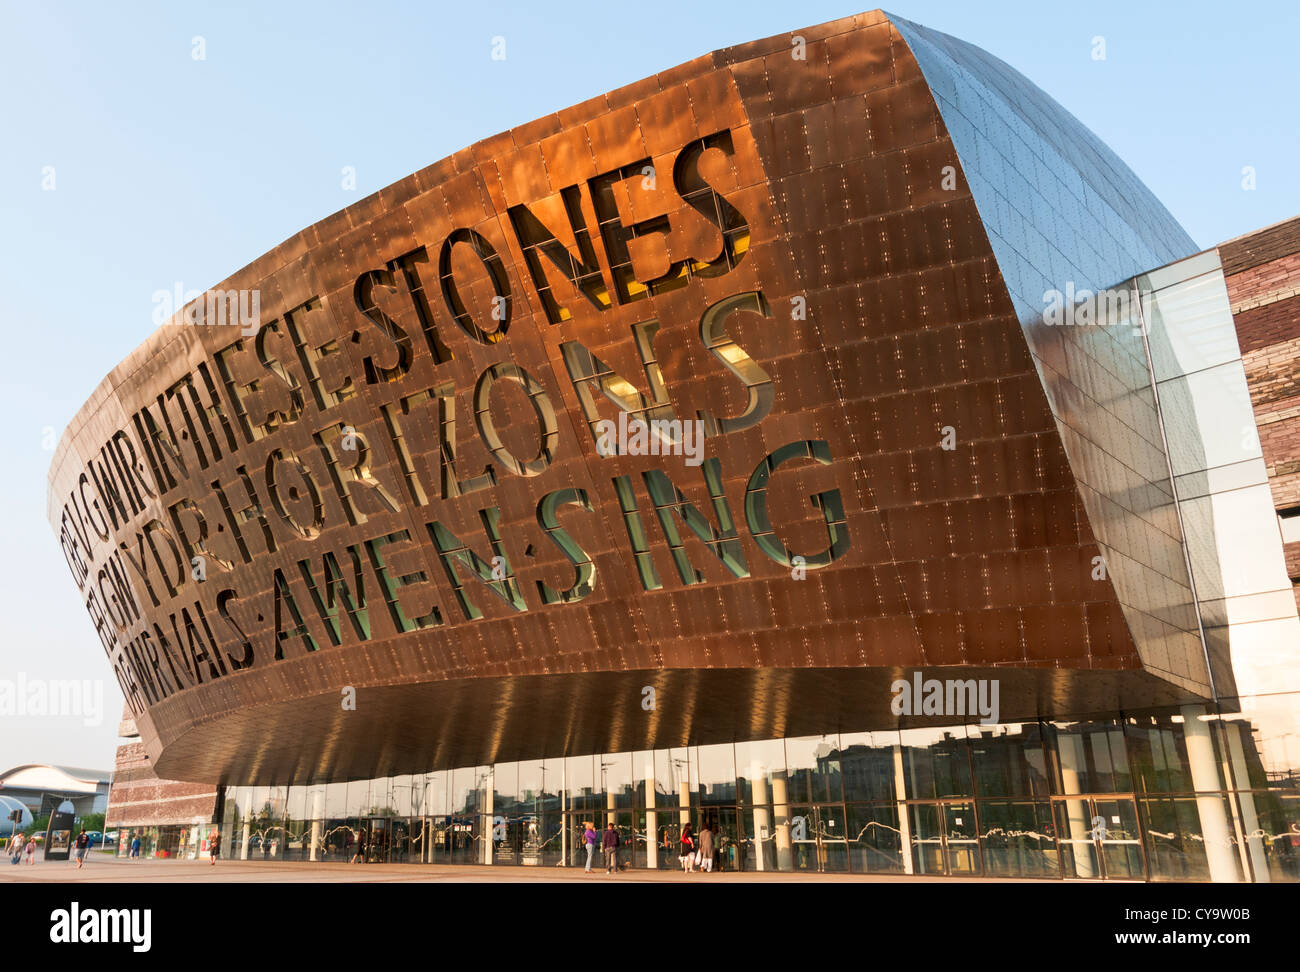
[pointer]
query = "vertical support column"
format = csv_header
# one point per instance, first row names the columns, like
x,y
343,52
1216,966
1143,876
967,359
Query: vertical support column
x,y
489,821
684,813
1074,762
564,806
762,821
651,818
1220,731
611,817
314,813
1205,776
1254,843
781,822
904,821
243,850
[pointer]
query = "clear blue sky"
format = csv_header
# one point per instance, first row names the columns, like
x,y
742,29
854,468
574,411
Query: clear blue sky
x,y
173,169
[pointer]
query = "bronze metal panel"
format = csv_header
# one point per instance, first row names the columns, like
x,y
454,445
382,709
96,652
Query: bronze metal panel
x,y
397,439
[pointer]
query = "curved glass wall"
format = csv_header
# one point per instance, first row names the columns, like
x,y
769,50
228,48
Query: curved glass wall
x,y
1067,221
1185,793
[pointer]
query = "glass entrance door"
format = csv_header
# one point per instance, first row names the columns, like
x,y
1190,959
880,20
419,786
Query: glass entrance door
x,y
399,844
945,838
817,838
730,848
1099,837
625,824
643,841
377,842
436,838
576,827
668,834
961,838
421,840
462,839
509,831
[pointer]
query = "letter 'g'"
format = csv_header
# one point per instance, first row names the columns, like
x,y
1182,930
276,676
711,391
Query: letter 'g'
x,y
830,503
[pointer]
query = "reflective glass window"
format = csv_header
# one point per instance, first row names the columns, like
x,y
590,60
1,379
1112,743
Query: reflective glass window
x,y
870,765
813,764
1009,760
936,763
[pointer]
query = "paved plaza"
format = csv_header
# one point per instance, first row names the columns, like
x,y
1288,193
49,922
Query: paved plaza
x,y
109,870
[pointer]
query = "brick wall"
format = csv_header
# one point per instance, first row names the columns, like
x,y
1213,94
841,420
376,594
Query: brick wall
x,y
1262,271
139,798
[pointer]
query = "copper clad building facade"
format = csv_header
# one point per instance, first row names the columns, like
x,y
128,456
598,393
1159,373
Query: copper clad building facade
x,y
696,414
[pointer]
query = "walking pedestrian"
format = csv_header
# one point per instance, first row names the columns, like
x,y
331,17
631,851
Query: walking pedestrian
x,y
610,846
688,849
31,849
706,849
135,847
589,837
15,848
214,846
83,845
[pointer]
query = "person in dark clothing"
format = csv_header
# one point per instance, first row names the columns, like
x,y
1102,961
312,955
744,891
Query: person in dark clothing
x,y
360,856
609,844
83,845
688,849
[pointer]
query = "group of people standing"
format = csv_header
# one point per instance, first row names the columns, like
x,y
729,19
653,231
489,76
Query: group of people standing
x,y
609,843
20,845
696,850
